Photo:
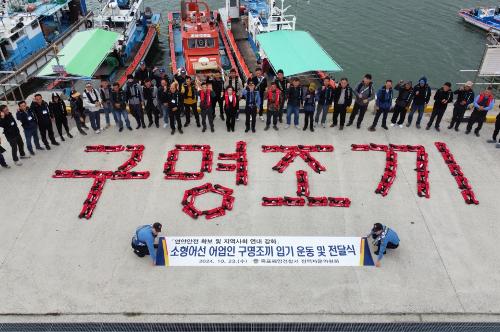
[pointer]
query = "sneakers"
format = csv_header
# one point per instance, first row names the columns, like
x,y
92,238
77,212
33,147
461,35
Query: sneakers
x,y
437,129
323,125
129,128
172,132
418,126
333,125
385,127
297,127
204,129
18,163
349,124
408,125
261,118
98,131
247,130
400,126
165,125
267,128
287,126
450,126
32,152
393,124
40,148
491,141
498,146
358,126
457,130
275,128
120,130
55,143
253,130
107,126
5,166
315,125
25,157
477,133
372,128
467,132
341,128
71,136
428,128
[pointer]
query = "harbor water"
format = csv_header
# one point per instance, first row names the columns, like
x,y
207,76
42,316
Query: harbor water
x,y
391,39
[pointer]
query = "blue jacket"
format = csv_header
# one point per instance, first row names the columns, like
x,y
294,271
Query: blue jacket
x,y
486,108
384,99
145,236
248,97
388,235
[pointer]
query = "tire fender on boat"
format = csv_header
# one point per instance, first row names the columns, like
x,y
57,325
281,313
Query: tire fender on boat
x,y
89,24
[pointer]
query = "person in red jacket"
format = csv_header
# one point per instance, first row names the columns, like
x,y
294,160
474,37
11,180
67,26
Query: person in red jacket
x,y
231,107
207,99
274,98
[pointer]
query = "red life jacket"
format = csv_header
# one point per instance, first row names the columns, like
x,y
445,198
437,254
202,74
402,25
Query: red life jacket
x,y
276,97
481,98
203,95
226,97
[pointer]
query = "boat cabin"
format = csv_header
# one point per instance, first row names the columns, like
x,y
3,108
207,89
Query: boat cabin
x,y
200,38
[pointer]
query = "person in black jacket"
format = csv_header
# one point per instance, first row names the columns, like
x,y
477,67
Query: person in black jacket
x,y
218,88
28,121
342,99
421,97
465,97
143,72
495,132
174,104
442,98
283,85
325,99
119,101
260,86
402,102
42,113
12,133
77,110
295,99
58,112
163,92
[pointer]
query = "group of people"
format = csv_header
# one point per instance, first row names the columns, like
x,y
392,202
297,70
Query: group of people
x,y
154,94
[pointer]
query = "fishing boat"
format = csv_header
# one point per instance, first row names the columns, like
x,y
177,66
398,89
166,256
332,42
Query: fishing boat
x,y
250,33
486,18
196,42
29,30
120,38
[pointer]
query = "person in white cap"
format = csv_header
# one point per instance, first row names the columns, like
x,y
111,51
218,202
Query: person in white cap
x,y
465,97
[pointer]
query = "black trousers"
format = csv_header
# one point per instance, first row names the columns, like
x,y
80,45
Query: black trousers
x,y
309,120
188,109
138,113
458,115
381,111
207,113
251,115
497,128
231,119
361,109
16,143
476,117
437,113
152,110
272,114
219,101
339,110
60,123
399,112
261,106
175,117
282,110
46,129
390,245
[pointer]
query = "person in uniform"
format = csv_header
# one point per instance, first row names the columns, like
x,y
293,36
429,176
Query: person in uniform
x,y
58,112
384,238
28,121
41,110
12,133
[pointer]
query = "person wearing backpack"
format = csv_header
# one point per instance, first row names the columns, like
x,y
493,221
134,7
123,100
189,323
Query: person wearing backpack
x,y
143,242
364,94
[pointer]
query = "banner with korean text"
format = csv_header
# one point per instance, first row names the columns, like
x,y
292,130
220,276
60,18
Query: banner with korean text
x,y
263,251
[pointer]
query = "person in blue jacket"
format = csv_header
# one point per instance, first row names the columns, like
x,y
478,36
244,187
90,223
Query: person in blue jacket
x,y
384,238
384,103
143,240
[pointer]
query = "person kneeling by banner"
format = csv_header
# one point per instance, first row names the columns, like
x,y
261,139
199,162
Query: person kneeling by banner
x,y
384,238
143,240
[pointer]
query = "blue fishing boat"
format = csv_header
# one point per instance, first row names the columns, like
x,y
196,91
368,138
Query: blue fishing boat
x,y
486,18
27,27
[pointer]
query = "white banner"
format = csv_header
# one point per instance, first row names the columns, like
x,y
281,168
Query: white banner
x,y
263,251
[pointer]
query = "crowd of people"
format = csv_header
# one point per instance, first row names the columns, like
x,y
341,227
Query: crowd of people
x,y
154,94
